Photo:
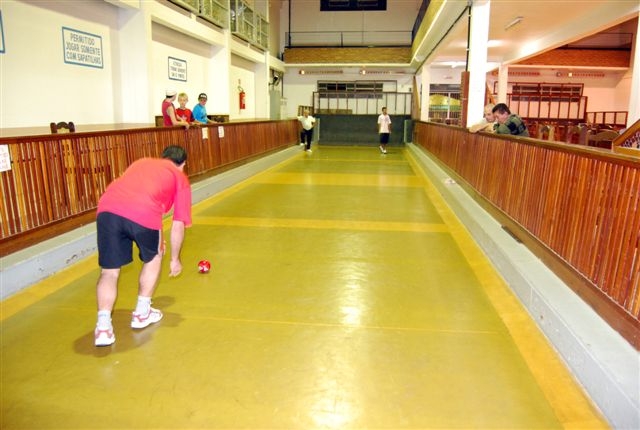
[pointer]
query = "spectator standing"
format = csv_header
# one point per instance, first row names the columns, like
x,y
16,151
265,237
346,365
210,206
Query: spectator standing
x,y
130,211
169,118
384,129
507,122
487,122
306,134
200,111
183,112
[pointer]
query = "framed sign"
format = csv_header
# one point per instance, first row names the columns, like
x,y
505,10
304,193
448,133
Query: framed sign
x,y
177,69
82,49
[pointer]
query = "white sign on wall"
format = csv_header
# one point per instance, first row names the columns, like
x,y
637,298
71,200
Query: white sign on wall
x,y
5,158
177,69
83,49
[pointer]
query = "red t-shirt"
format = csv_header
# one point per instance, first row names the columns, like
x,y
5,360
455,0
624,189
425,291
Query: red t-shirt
x,y
166,119
184,114
147,190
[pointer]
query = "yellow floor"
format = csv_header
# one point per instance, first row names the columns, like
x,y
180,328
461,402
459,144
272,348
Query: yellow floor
x,y
344,294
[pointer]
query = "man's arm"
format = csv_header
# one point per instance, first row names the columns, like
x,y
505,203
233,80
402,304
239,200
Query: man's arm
x,y
175,121
177,237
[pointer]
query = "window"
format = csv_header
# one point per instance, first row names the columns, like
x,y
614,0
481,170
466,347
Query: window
x,y
347,5
545,92
355,89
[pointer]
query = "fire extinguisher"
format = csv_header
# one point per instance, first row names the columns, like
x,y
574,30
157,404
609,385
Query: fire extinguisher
x,y
241,98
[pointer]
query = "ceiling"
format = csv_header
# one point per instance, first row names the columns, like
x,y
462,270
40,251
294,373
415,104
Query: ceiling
x,y
536,26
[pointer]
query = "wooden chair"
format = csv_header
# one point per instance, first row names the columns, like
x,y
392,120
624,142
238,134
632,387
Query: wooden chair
x,y
603,139
545,132
61,126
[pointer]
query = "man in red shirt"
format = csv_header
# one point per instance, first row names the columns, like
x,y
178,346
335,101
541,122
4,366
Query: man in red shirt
x,y
129,211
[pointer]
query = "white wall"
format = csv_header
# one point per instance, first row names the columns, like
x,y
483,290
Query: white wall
x,y
200,69
391,24
298,89
241,73
38,87
608,93
36,84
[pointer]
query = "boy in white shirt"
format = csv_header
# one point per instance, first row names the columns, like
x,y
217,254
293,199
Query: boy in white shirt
x,y
384,129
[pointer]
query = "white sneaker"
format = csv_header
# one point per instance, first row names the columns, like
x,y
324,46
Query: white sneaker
x,y
308,151
141,321
104,337
301,143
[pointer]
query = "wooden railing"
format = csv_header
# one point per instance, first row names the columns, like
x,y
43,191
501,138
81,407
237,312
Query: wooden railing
x,y
614,119
577,208
56,180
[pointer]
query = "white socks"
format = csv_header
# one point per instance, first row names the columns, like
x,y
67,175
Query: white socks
x,y
104,320
142,308
144,305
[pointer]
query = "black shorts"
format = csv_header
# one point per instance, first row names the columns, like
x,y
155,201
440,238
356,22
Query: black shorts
x,y
116,236
384,138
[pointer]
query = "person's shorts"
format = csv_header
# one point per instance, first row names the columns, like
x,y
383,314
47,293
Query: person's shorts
x,y
384,138
116,236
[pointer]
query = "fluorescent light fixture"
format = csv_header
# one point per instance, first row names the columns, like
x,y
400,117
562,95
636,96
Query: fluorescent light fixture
x,y
515,21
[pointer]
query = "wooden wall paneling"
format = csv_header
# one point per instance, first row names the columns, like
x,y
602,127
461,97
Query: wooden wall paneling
x,y
595,234
4,205
629,274
70,172
246,136
566,197
588,215
606,230
628,242
214,142
9,196
22,189
581,202
26,206
36,185
229,137
83,170
228,148
44,172
48,168
620,213
584,219
56,179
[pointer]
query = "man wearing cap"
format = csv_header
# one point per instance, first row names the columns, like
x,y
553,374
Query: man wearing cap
x,y
200,112
169,118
